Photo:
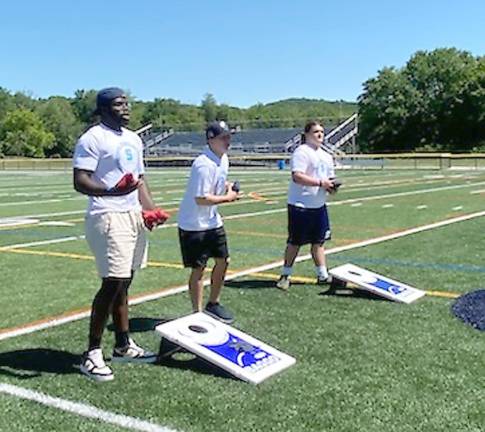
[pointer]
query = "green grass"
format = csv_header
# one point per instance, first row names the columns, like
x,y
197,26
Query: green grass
x,y
362,364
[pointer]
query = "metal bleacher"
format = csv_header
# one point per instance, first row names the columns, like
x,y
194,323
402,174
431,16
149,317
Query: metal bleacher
x,y
253,141
335,138
243,141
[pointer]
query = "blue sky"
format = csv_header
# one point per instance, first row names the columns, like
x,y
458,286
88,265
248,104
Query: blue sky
x,y
243,52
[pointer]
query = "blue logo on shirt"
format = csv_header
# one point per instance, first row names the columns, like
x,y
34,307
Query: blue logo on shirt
x,y
128,154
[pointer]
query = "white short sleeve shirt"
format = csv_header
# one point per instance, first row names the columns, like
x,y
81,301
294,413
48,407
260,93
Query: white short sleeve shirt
x,y
315,163
110,154
208,175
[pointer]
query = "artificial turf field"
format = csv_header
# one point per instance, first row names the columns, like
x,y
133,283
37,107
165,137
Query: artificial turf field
x,y
363,364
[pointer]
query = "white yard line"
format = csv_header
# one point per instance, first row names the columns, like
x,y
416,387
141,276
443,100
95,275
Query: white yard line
x,y
83,410
45,215
42,242
20,203
264,212
283,190
407,193
54,322
12,222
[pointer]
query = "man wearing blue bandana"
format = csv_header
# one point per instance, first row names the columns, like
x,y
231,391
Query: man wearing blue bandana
x,y
108,167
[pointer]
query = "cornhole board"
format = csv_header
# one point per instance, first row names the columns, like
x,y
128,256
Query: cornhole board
x,y
376,283
236,352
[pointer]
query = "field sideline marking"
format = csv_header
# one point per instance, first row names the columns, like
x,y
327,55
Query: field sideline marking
x,y
83,410
264,212
181,267
283,190
141,298
83,257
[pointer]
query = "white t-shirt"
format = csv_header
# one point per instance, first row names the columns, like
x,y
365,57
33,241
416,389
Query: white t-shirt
x,y
315,163
110,154
208,175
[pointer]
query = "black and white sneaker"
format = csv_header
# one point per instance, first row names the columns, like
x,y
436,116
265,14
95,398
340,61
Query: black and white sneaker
x,y
219,312
283,283
94,367
132,353
324,280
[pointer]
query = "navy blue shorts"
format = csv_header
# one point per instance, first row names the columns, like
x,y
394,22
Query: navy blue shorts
x,y
308,225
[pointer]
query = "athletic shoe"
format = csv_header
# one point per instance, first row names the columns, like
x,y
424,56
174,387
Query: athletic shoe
x,y
283,283
324,281
219,312
94,367
132,353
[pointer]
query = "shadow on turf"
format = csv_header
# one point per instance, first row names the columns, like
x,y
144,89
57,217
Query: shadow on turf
x,y
339,292
142,324
32,363
353,293
185,360
254,284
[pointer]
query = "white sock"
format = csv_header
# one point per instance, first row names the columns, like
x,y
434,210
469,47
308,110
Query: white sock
x,y
287,271
321,271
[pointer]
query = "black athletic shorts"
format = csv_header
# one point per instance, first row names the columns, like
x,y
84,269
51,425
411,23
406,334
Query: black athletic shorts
x,y
198,246
308,225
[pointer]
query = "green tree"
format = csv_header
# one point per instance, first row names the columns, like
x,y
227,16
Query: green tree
x,y
58,117
209,107
436,102
83,104
6,102
22,133
385,111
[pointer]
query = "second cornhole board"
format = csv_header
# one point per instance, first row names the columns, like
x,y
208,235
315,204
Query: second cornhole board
x,y
377,284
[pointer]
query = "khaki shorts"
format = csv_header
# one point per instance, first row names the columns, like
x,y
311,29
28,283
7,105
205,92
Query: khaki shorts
x,y
118,242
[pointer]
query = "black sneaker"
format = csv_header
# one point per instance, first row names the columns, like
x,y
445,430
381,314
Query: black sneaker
x,y
324,281
219,312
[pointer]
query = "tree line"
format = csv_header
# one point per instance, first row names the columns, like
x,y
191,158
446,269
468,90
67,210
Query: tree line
x,y
36,127
436,102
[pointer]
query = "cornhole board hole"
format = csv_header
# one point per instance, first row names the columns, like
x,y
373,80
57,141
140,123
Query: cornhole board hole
x,y
236,352
375,283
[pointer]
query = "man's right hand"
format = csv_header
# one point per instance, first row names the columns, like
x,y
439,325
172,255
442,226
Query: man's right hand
x,y
327,184
126,185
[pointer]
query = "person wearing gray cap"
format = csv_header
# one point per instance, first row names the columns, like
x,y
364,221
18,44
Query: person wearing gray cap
x,y
201,230
108,167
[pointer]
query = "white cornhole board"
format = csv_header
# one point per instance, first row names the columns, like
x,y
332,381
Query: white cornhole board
x,y
228,348
13,222
376,283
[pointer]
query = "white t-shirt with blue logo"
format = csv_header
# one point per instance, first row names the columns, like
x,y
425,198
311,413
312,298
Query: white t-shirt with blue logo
x,y
110,154
315,163
208,175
